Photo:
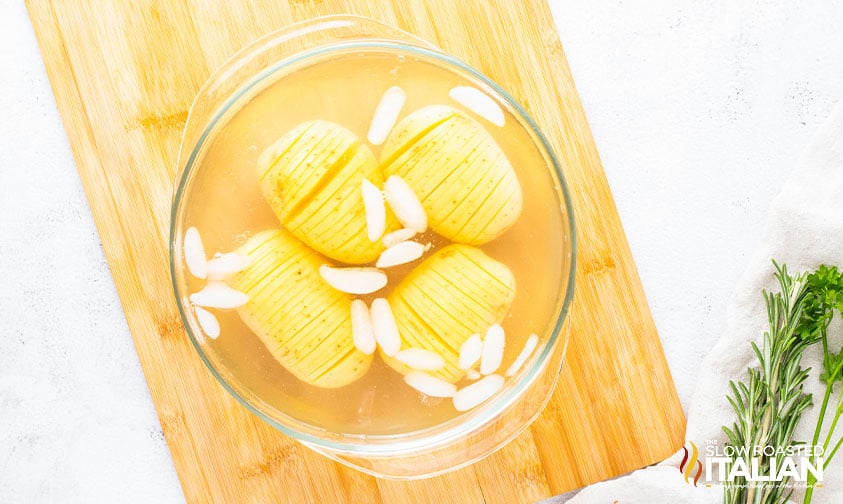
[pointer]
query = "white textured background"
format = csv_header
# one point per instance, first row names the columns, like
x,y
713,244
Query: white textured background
x,y
699,108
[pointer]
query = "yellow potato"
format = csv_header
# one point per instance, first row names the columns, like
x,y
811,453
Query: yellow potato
x,y
454,293
305,324
312,179
461,176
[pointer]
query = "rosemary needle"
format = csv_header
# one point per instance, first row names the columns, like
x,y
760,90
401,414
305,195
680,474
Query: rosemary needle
x,y
770,403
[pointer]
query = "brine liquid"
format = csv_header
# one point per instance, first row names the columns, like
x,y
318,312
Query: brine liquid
x,y
223,200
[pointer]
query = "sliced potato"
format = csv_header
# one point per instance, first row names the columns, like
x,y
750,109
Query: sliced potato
x,y
312,178
305,323
465,182
453,294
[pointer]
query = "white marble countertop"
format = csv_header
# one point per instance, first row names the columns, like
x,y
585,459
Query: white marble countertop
x,y
699,109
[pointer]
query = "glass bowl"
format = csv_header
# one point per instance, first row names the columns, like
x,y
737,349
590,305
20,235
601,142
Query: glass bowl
x,y
227,99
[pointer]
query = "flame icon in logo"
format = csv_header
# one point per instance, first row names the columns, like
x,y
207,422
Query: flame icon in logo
x,y
690,462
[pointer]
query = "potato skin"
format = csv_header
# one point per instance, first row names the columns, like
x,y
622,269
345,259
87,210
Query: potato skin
x,y
304,323
455,293
312,177
461,176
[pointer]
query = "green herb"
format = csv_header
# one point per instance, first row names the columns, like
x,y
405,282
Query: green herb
x,y
770,404
825,287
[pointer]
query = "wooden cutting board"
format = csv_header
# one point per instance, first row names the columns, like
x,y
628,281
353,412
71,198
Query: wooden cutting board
x,y
124,74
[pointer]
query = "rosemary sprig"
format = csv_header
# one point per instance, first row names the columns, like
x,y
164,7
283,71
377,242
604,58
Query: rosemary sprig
x,y
770,404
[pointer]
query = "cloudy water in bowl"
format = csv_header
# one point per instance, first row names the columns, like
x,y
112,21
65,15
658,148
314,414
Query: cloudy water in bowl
x,y
224,202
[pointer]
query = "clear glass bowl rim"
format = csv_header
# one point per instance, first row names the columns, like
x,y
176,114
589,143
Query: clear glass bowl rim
x,y
460,426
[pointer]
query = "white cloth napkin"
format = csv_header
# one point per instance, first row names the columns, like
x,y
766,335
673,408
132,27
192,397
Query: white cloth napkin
x,y
804,230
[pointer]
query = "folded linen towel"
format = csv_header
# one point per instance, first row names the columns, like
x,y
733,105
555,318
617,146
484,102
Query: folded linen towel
x,y
804,230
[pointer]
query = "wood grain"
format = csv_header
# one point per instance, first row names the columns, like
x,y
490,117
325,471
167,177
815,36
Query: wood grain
x,y
124,74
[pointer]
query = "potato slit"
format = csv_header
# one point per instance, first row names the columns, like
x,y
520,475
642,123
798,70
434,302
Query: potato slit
x,y
489,193
289,147
335,364
426,325
251,282
454,168
296,172
323,180
294,257
482,229
327,224
352,236
416,151
298,162
420,181
344,176
346,217
427,193
308,336
297,352
318,311
444,309
403,148
331,358
491,274
468,295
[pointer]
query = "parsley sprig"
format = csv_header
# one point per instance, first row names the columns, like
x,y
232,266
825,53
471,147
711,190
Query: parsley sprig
x,y
825,286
